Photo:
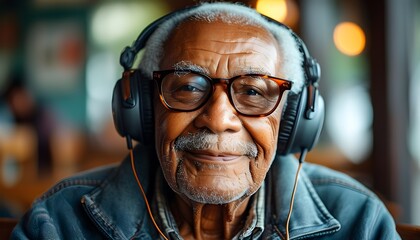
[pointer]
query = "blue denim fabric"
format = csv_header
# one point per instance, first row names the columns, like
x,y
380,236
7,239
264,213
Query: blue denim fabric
x,y
105,203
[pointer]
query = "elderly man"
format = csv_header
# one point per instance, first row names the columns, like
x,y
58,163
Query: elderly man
x,y
212,162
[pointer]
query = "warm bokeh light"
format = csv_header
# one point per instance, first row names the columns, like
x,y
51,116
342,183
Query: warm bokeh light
x,y
349,38
276,9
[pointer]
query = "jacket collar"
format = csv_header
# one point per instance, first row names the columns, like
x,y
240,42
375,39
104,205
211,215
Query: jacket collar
x,y
309,215
118,208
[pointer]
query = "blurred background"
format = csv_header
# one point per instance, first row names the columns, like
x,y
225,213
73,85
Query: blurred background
x,y
59,61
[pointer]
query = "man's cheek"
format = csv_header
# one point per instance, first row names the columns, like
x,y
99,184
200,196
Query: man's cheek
x,y
264,134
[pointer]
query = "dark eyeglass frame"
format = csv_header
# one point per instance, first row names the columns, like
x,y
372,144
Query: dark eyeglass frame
x,y
283,85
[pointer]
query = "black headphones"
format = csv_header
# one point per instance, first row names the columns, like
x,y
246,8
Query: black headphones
x,y
132,100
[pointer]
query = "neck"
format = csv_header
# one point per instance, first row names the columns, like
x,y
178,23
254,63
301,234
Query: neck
x,y
207,221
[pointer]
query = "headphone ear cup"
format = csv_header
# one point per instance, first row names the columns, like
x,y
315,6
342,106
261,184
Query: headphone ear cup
x,y
132,108
287,123
296,131
146,88
117,108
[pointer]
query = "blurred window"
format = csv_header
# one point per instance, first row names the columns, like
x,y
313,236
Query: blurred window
x,y
414,130
334,31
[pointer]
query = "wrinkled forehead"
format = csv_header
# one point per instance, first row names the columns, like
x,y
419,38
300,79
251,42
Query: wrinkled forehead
x,y
249,48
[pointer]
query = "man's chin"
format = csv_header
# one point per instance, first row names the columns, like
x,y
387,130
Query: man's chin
x,y
211,199
212,196
215,183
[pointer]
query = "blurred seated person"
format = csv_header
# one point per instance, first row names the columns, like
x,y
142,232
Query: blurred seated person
x,y
232,95
26,112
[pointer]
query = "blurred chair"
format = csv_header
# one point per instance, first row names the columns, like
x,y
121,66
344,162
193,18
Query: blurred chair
x,y
6,227
408,232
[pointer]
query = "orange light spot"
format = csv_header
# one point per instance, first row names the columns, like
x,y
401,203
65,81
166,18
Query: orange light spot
x,y
349,38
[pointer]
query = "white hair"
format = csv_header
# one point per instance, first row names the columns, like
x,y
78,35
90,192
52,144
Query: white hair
x,y
291,57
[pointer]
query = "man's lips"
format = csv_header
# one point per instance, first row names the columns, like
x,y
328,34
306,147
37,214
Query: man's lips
x,y
212,156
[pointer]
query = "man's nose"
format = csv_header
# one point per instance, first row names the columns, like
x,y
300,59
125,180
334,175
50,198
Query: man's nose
x,y
218,115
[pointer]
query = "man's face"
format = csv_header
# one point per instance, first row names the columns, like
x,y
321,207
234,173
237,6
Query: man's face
x,y
215,155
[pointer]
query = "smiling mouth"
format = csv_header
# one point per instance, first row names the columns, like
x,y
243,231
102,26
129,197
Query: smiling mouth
x,y
212,156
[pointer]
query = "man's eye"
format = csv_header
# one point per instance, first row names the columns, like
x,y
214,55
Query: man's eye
x,y
248,91
188,88
252,92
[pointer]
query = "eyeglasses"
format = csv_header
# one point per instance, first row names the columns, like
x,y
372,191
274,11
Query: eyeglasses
x,y
249,94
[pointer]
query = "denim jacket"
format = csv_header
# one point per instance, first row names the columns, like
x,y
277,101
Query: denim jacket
x,y
105,203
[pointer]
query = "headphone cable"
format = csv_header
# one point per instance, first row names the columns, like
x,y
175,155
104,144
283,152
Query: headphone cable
x,y
141,188
292,199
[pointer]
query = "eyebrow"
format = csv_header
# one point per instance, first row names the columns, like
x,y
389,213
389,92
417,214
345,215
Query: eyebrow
x,y
252,70
189,66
